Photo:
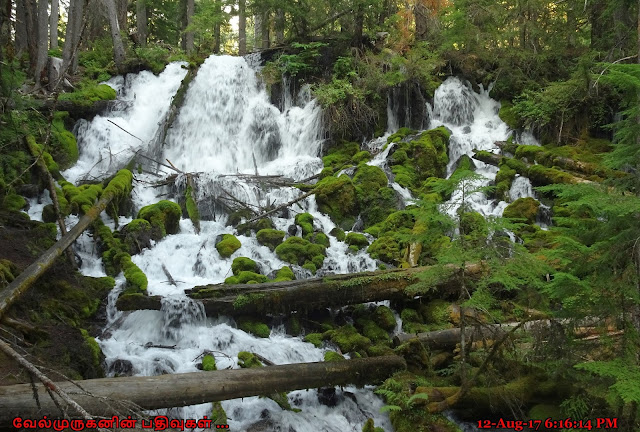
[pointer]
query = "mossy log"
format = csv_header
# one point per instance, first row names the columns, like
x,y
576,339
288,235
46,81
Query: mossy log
x,y
309,294
538,174
31,274
559,161
448,338
103,397
79,109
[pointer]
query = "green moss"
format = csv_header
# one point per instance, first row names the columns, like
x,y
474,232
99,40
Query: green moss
x,y
136,235
249,276
508,115
91,94
503,181
336,197
13,202
209,363
338,233
332,356
372,331
218,414
437,312
94,348
164,215
543,176
228,245
384,317
256,328
319,238
132,273
285,274
387,249
237,216
523,208
474,226
369,178
63,143
356,239
348,339
310,266
192,207
8,272
528,152
362,156
270,237
402,133
241,264
305,221
300,251
341,155
314,338
248,360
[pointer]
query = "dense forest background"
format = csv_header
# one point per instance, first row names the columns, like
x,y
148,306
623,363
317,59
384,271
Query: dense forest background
x,y
568,71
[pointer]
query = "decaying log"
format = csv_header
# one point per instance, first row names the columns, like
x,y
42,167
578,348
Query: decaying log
x,y
308,294
560,161
101,396
78,110
29,275
523,169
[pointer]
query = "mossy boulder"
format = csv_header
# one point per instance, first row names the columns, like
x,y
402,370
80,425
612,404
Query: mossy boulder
x,y
422,157
246,277
383,316
356,239
402,133
260,224
337,233
337,198
305,221
248,360
270,237
13,202
256,328
90,94
241,264
284,274
361,156
503,181
209,363
228,245
331,356
314,338
164,216
348,339
340,156
369,179
474,226
524,209
137,235
319,238
237,216
373,331
300,251
387,249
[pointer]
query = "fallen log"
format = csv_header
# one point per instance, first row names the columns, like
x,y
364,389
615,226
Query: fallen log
x,y
308,294
448,338
78,110
280,207
538,174
105,397
29,275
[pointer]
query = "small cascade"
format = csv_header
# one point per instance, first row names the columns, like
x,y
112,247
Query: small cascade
x,y
521,188
454,102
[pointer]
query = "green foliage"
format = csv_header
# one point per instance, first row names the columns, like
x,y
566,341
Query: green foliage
x,y
64,145
624,375
302,62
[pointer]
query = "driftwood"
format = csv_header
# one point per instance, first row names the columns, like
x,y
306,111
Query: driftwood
x,y
280,207
29,275
307,294
175,390
170,278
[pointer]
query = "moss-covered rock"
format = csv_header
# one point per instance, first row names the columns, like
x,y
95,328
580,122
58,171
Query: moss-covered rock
x,y
503,181
256,328
361,156
384,317
314,338
218,414
246,277
348,339
356,239
474,226
90,94
305,221
369,179
508,115
386,248
137,235
373,331
338,233
164,215
331,356
423,157
64,147
337,198
209,363
284,274
241,264
523,208
237,216
247,360
270,237
402,133
228,245
300,251
319,238
13,202
340,156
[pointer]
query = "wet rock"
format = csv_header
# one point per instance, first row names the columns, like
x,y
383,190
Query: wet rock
x,y
121,368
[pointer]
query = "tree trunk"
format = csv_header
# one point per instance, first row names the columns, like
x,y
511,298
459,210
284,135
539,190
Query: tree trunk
x,y
242,27
421,17
43,41
141,22
118,47
122,6
53,24
31,14
265,36
188,35
72,36
280,26
5,24
31,274
21,27
257,31
166,391
307,294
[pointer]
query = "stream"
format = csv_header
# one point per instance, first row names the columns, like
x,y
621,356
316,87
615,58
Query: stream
x,y
226,126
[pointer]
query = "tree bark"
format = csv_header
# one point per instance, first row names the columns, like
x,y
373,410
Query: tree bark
x,y
5,23
257,31
122,6
31,274
307,294
106,395
141,22
43,39
72,36
242,27
188,35
266,38
53,24
280,26
31,15
118,47
21,27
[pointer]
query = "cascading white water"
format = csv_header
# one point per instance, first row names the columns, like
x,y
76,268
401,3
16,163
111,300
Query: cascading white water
x,y
227,125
